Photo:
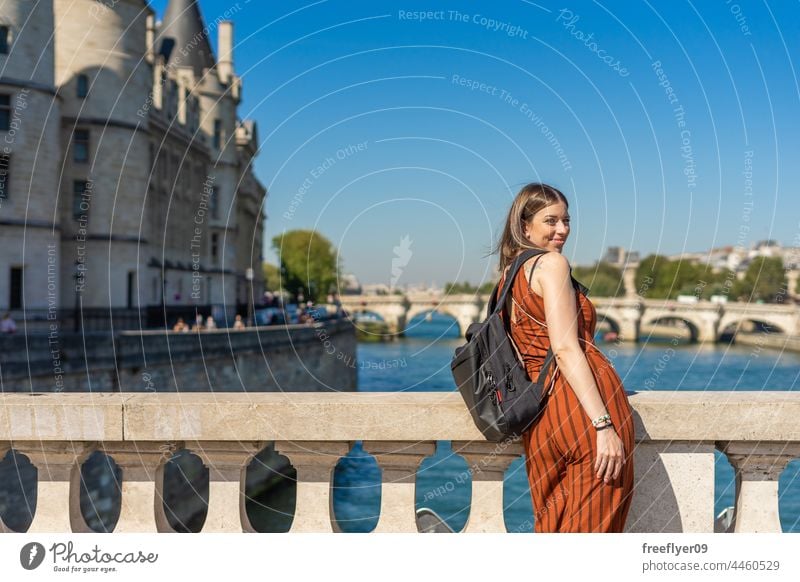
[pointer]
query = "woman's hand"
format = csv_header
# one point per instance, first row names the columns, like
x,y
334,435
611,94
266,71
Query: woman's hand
x,y
610,455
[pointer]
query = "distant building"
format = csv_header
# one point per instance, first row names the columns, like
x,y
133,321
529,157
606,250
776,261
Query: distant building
x,y
738,258
349,285
791,258
691,257
431,289
376,289
619,257
766,248
127,175
614,256
718,258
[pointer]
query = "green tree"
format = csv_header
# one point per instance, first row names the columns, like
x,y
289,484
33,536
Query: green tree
x,y
308,262
688,278
764,280
719,284
451,288
487,287
602,279
272,277
716,283
648,275
660,278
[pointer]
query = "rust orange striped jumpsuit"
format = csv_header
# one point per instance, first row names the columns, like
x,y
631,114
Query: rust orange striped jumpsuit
x,y
561,447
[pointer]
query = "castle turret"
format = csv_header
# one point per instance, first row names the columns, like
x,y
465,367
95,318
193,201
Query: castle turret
x,y
30,154
250,199
183,24
225,44
104,81
185,51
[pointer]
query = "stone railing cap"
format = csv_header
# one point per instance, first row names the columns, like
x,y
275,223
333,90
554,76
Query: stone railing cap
x,y
377,416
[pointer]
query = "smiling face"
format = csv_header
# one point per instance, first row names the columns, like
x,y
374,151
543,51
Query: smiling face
x,y
549,228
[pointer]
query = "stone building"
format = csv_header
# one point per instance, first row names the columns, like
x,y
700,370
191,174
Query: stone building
x,y
126,176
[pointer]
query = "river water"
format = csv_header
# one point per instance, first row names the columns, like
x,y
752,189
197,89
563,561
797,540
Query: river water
x,y
421,362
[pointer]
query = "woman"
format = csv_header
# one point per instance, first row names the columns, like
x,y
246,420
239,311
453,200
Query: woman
x,y
579,452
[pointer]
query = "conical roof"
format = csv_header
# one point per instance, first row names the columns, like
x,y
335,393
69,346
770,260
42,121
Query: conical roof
x,y
184,24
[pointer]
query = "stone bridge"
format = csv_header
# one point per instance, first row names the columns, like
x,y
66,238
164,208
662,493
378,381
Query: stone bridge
x,y
706,321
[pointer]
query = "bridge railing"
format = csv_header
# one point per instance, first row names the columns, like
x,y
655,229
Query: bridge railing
x,y
706,320
677,434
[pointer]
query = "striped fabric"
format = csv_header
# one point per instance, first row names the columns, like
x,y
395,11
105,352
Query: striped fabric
x,y
561,447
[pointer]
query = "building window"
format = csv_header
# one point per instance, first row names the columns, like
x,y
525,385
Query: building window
x,y
161,162
83,86
186,106
173,101
5,180
5,112
78,189
194,114
174,175
80,145
153,176
214,202
217,134
214,247
131,288
5,33
15,288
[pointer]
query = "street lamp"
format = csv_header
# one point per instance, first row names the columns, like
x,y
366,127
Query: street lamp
x,y
248,274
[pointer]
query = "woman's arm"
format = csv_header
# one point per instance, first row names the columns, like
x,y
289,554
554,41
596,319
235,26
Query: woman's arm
x,y
553,275
562,327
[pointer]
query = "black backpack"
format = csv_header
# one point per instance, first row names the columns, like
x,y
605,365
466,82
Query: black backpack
x,y
493,382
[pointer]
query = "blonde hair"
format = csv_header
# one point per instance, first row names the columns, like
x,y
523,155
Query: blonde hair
x,y
528,201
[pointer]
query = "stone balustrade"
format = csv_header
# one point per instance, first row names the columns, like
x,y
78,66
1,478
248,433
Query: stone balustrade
x,y
677,433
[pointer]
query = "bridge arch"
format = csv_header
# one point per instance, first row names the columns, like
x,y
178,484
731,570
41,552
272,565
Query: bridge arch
x,y
612,320
366,311
695,326
417,310
731,325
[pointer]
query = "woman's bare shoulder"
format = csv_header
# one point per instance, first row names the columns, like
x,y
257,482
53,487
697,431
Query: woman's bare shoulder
x,y
553,264
549,261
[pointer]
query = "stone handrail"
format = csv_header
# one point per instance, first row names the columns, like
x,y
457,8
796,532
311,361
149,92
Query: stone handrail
x,y
676,432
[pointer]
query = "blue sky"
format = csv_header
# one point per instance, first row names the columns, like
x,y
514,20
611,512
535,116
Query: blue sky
x,y
376,125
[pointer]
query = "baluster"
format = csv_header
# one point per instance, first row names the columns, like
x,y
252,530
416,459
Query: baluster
x,y
142,465
487,464
314,463
227,467
399,462
58,484
4,448
673,488
758,466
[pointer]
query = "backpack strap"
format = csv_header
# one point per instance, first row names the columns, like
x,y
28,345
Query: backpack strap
x,y
576,283
497,303
548,359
